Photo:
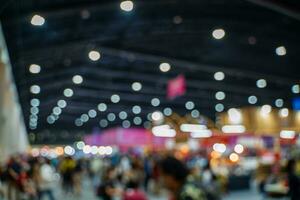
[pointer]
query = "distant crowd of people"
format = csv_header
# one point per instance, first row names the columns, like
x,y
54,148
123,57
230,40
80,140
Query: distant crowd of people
x,y
121,176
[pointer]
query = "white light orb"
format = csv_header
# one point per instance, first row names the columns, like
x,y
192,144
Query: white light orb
x,y
168,111
126,6
261,83
155,102
252,99
103,123
189,105
279,103
265,109
136,86
34,69
284,112
220,95
164,67
219,76
123,115
111,117
92,113
137,121
157,116
68,92
102,107
94,55
35,102
136,109
238,148
77,79
115,98
280,51
126,124
218,34
296,89
37,20
35,89
219,107
62,103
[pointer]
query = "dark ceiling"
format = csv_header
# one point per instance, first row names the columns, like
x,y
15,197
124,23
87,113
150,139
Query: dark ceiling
x,y
132,46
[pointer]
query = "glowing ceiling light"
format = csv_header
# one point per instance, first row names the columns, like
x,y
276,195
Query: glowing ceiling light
x,y
37,20
219,147
284,112
50,119
35,102
34,69
265,109
261,83
201,134
123,115
163,131
137,121
164,67
80,145
77,79
219,76
108,150
233,129
136,109
155,102
56,110
189,105
92,113
78,122
279,103
235,116
220,95
218,34
168,111
296,89
192,127
84,117
94,55
102,107
234,157
68,92
136,86
126,6
157,116
87,149
103,123
219,107
238,148
280,51
287,134
126,124
94,150
62,103
111,117
195,113
252,99
69,150
115,98
35,89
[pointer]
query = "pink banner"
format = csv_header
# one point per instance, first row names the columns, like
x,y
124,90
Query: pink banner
x,y
176,87
125,138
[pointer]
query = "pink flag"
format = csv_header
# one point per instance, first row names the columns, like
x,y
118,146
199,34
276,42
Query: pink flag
x,y
176,87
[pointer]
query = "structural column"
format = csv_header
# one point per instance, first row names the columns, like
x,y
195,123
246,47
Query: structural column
x,y
13,136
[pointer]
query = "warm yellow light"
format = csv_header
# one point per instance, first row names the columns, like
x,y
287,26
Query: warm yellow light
x,y
234,157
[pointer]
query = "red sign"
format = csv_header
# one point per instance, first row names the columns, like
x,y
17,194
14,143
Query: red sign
x,y
176,87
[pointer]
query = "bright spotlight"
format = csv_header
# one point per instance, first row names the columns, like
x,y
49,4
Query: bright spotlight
x,y
37,20
218,34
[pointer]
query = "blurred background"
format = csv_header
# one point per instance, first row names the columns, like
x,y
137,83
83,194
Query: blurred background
x,y
98,98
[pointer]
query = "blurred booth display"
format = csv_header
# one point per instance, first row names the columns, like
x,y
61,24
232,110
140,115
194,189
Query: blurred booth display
x,y
262,120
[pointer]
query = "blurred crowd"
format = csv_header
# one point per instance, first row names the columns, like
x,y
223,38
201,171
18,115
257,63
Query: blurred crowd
x,y
121,176
126,176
